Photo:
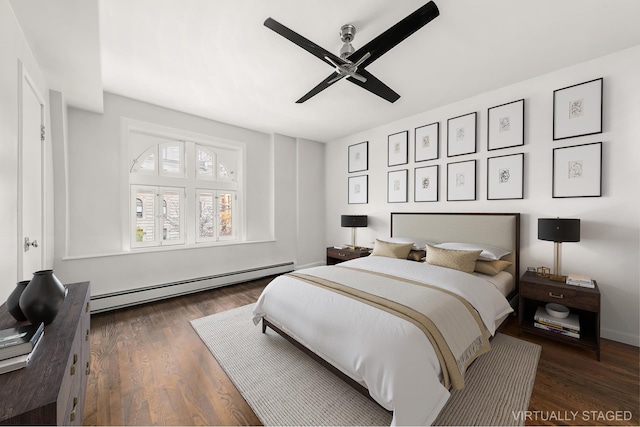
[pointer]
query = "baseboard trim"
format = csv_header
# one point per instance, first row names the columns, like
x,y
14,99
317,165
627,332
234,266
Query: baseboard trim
x,y
130,297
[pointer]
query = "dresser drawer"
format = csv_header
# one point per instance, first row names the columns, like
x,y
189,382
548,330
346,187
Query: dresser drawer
x,y
342,254
562,294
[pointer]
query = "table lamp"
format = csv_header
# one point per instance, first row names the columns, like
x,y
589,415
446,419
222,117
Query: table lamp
x,y
353,221
558,230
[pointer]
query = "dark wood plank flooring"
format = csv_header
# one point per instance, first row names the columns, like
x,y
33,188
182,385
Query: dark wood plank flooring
x,y
149,367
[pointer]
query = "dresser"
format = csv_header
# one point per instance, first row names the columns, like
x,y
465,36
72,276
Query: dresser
x,y
51,389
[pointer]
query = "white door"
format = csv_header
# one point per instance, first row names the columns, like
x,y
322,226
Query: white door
x,y
30,215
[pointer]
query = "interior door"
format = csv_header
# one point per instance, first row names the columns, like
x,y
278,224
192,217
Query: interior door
x,y
30,215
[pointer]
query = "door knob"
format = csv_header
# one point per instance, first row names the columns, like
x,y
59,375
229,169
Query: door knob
x,y
28,244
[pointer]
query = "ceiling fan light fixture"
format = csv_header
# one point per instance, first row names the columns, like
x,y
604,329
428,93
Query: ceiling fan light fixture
x,y
346,50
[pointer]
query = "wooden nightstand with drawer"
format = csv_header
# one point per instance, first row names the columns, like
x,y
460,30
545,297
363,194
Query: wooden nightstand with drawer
x,y
585,302
335,255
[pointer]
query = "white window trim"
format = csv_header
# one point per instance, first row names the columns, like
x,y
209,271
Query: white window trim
x,y
239,187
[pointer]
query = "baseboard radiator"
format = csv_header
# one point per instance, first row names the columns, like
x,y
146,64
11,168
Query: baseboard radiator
x,y
130,297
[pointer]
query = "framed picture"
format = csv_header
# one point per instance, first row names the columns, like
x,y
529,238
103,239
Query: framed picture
x,y
505,126
358,189
505,177
461,135
577,171
426,184
461,180
577,110
427,142
397,186
359,157
398,148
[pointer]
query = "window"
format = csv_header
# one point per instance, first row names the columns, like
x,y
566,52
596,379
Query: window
x,y
169,178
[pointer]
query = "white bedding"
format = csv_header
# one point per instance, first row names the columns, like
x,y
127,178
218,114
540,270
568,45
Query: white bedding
x,y
389,355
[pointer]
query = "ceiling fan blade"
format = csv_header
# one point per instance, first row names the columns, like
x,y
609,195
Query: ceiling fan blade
x,y
397,33
334,77
375,86
304,43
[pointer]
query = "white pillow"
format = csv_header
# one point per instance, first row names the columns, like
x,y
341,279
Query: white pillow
x,y
489,253
418,244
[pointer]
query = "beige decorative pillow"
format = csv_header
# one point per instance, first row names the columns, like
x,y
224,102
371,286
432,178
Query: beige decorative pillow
x,y
451,258
391,250
491,267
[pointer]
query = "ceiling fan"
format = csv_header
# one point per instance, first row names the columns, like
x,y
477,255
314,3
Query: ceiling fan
x,y
351,63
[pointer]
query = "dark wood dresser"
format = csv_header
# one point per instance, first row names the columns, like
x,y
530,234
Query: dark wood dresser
x,y
51,389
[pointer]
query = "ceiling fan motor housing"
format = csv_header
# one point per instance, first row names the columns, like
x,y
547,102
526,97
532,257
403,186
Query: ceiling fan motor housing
x,y
347,33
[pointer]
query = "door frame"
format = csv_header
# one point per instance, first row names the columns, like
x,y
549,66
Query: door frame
x,y
25,78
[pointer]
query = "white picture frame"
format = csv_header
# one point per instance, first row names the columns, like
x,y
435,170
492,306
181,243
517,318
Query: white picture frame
x,y
577,171
425,187
461,135
398,148
358,157
461,180
505,177
397,186
358,189
577,110
427,142
505,125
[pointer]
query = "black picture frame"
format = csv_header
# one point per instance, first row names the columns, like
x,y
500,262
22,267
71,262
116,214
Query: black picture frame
x,y
358,190
577,109
358,157
397,186
462,135
505,125
426,142
577,171
461,181
505,177
398,148
426,185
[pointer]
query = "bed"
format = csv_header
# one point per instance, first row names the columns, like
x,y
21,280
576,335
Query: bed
x,y
401,331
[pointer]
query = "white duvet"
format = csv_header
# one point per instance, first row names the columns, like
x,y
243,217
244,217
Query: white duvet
x,y
392,357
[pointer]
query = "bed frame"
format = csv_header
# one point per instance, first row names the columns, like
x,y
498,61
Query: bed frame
x,y
496,229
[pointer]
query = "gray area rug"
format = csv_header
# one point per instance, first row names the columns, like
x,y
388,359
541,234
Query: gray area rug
x,y
284,386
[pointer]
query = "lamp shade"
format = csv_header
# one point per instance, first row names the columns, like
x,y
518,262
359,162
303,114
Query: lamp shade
x,y
559,229
353,221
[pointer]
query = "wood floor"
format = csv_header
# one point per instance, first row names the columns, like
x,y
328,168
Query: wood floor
x,y
149,367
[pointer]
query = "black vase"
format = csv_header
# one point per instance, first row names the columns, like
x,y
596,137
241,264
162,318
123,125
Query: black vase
x,y
42,298
13,302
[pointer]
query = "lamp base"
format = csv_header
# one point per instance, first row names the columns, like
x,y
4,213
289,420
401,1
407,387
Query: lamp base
x,y
556,278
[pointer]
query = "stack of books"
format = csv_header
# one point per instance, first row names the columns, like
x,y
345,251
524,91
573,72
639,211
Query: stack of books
x,y
17,345
578,280
569,326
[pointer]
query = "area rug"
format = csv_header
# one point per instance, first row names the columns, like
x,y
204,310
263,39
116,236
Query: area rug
x,y
286,387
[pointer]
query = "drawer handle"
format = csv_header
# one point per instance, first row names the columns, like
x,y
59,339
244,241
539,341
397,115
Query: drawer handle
x,y
86,337
87,370
341,254
72,415
86,308
72,371
552,295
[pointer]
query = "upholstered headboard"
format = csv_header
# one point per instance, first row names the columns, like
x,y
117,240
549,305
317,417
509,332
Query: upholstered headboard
x,y
495,229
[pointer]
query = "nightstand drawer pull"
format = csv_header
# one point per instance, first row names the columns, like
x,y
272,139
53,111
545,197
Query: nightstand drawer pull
x,y
552,295
341,254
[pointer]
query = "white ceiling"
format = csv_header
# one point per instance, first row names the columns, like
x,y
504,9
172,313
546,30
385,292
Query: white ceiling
x,y
216,59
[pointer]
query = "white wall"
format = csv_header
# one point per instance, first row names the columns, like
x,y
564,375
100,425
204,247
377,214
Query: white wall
x,y
14,49
94,227
610,225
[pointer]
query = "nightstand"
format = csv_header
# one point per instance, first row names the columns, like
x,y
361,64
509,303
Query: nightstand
x,y
537,291
335,256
